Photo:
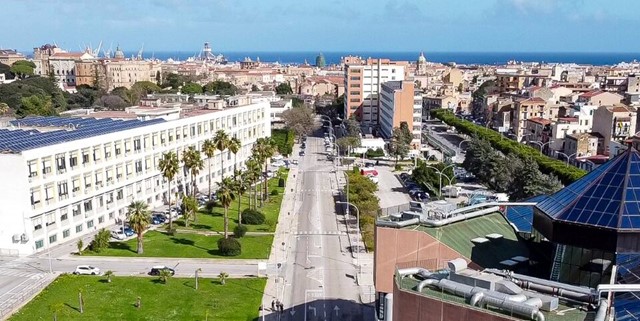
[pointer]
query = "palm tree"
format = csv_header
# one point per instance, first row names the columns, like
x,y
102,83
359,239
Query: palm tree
x,y
254,171
223,277
190,208
241,186
226,196
194,164
265,147
108,275
138,214
169,166
164,275
221,141
234,147
209,149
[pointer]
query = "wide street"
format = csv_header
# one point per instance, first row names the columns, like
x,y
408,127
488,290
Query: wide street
x,y
319,272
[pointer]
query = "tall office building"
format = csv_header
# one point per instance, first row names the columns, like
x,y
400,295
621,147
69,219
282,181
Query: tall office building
x,y
363,81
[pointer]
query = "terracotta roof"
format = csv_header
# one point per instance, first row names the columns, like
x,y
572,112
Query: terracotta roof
x,y
541,121
533,100
67,55
592,93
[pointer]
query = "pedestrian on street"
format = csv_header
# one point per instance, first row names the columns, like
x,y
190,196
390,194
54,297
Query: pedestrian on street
x,y
281,307
273,305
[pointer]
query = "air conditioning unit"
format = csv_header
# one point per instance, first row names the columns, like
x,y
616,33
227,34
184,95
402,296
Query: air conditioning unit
x,y
24,238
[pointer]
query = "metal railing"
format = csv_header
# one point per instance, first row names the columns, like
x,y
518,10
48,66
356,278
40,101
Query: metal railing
x,y
393,210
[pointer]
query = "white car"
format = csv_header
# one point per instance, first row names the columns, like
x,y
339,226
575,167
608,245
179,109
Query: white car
x,y
86,270
118,235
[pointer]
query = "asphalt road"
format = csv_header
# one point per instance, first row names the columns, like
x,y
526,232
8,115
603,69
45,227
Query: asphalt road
x,y
319,269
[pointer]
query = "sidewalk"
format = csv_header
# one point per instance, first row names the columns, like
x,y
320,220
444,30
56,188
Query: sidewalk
x,y
362,259
279,251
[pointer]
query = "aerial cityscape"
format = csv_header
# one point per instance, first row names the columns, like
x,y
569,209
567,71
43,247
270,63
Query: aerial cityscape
x,y
374,161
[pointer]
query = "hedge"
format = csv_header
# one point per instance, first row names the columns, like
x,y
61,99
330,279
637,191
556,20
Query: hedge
x,y
566,174
284,139
252,217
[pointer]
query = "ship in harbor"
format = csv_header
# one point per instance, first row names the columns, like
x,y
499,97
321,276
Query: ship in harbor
x,y
206,55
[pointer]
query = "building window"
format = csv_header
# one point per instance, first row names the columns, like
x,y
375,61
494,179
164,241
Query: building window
x,y
53,238
78,228
39,244
64,217
73,161
90,224
101,219
88,206
66,233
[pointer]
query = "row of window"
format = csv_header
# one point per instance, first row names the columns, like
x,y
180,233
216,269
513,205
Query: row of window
x,y
67,232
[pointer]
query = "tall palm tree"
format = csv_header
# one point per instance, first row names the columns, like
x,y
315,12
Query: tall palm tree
x,y
221,141
194,164
241,185
226,195
254,173
209,149
138,215
169,166
266,148
234,146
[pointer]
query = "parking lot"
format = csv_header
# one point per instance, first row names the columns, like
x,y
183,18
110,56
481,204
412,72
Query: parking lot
x,y
390,190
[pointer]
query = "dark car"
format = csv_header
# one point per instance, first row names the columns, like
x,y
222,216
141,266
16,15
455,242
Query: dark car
x,y
404,176
158,219
156,270
301,153
303,146
128,231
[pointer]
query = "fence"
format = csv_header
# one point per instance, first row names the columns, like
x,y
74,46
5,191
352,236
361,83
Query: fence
x,y
393,210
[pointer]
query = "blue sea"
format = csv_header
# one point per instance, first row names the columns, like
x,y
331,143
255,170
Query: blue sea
x,y
485,58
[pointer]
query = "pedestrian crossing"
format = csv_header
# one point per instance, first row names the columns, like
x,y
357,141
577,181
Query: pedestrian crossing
x,y
20,274
320,233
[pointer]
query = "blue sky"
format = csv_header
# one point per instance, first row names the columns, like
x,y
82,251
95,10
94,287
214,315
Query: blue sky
x,y
325,25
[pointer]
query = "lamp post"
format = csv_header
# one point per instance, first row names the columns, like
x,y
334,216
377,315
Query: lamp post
x,y
441,172
541,144
198,270
357,229
460,146
568,157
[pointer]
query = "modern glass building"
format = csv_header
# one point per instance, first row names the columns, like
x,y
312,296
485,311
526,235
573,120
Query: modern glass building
x,y
593,225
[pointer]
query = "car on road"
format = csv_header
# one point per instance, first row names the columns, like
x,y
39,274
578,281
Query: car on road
x,y
301,153
294,162
156,270
86,270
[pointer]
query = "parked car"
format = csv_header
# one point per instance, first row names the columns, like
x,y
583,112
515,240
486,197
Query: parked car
x,y
404,176
294,162
278,164
301,153
126,230
118,235
157,219
156,270
303,146
86,270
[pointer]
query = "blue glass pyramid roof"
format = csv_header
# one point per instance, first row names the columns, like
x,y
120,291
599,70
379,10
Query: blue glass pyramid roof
x,y
607,197
521,217
627,304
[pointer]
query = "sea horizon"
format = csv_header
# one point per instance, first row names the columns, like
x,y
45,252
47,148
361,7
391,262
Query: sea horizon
x,y
459,57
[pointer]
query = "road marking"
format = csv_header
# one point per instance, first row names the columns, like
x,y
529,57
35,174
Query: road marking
x,y
312,233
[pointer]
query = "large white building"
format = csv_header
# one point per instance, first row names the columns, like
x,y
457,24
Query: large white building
x,y
65,177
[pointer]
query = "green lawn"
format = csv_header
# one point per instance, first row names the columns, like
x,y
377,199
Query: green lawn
x,y
215,221
238,299
159,244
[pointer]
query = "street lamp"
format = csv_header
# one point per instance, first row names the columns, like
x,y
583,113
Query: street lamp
x,y
541,144
441,172
357,229
568,157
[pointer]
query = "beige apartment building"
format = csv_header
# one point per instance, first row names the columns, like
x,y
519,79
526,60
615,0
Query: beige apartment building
x,y
600,98
613,123
580,145
363,81
399,103
529,108
10,56
510,82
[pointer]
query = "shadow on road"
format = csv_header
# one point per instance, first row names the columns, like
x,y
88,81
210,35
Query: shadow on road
x,y
322,310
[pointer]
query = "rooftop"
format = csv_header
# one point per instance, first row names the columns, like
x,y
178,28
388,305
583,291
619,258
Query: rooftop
x,y
607,197
458,236
35,132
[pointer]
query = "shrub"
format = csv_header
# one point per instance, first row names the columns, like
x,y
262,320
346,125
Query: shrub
x,y
229,247
252,217
239,231
211,204
274,192
281,182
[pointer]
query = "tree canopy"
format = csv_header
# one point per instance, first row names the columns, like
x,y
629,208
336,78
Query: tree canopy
x,y
191,88
284,89
220,87
300,120
23,68
6,70
48,93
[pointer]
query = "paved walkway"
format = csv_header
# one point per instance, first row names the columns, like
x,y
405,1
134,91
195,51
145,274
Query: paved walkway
x,y
361,257
279,247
